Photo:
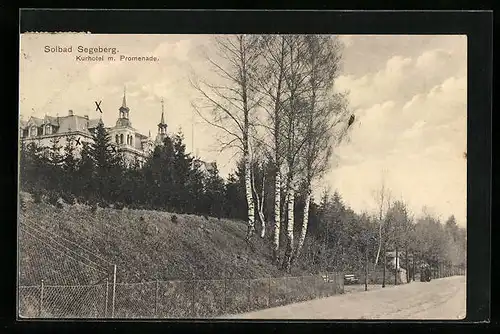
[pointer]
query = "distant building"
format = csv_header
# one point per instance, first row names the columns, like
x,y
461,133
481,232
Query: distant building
x,y
134,145
43,131
392,263
207,167
131,143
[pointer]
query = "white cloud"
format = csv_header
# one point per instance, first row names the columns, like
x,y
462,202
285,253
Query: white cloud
x,y
412,119
402,78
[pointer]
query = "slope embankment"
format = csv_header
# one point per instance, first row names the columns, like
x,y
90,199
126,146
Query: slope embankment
x,y
65,244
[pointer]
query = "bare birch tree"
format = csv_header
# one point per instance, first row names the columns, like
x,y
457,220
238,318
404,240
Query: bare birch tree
x,y
294,109
382,197
231,100
273,90
325,111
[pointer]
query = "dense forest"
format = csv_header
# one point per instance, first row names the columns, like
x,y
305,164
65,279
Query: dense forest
x,y
173,180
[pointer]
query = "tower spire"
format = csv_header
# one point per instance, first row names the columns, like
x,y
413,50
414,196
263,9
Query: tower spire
x,y
124,103
162,126
162,121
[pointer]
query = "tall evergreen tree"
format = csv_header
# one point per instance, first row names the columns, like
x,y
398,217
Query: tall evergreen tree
x,y
214,193
106,162
84,179
182,163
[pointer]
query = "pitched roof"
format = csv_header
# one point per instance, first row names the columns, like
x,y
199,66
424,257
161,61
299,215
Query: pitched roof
x,y
34,121
51,120
140,135
92,123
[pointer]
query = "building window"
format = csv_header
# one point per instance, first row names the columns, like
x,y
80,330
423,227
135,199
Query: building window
x,y
116,139
121,138
48,129
33,131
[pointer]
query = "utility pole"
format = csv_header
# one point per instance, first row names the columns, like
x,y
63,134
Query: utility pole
x,y
385,261
414,268
366,267
396,265
114,292
325,246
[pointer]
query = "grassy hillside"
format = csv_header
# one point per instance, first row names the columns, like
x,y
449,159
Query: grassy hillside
x,y
77,244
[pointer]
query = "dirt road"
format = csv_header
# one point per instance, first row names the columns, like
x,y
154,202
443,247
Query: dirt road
x,y
439,299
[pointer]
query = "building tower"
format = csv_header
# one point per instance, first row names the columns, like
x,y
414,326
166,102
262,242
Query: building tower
x,y
162,126
123,116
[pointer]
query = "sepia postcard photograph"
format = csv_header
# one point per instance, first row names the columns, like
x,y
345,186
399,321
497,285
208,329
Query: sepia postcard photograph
x,y
253,176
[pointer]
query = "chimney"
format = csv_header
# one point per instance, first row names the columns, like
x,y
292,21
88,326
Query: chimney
x,y
86,116
70,112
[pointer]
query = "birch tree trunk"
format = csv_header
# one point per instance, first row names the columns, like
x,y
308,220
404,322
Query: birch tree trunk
x,y
260,202
249,197
289,228
261,205
379,241
305,222
277,214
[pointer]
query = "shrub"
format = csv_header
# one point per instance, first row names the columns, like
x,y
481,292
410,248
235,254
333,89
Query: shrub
x,y
37,196
174,219
68,198
53,198
22,204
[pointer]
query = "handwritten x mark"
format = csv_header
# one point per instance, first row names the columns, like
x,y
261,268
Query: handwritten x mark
x,y
98,106
78,143
113,148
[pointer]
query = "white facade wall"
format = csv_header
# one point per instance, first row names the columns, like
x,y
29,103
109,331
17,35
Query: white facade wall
x,y
46,141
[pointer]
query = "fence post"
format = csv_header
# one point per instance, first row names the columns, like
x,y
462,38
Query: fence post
x,y
224,296
114,292
249,297
269,292
193,311
317,286
156,298
366,267
41,300
106,300
286,290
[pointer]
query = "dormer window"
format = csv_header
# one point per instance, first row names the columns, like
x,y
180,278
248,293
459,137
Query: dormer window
x,y
48,130
33,131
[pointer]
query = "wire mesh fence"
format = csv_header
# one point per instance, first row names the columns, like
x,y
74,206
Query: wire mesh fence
x,y
173,299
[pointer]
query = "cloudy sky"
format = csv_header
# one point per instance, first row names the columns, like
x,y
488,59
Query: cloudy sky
x,y
409,94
